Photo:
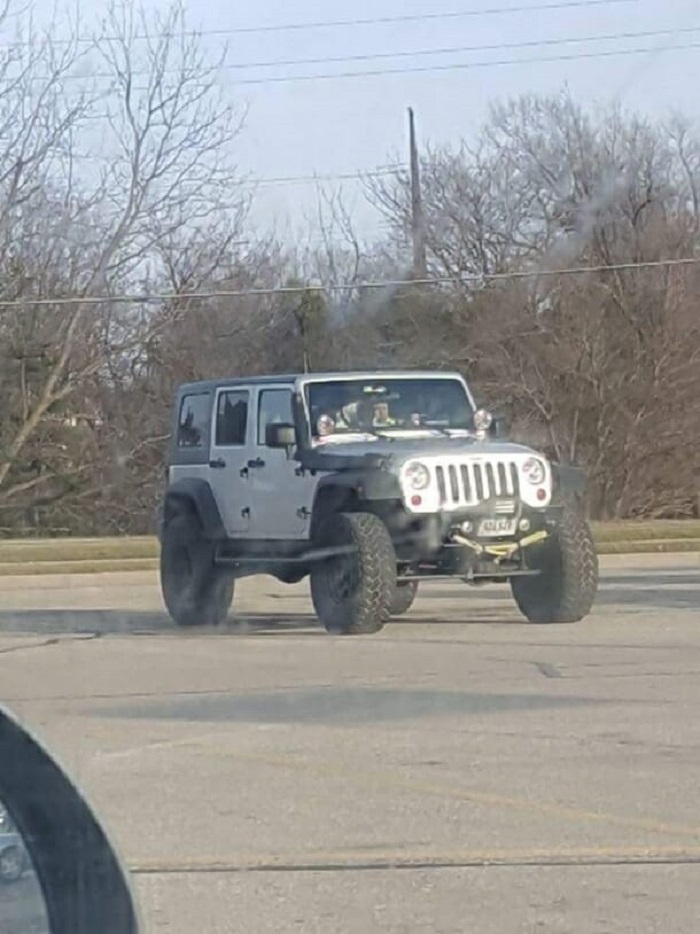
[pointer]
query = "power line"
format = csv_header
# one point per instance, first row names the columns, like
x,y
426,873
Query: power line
x,y
465,66
369,21
456,66
455,50
378,284
338,177
381,172
419,17
424,69
403,53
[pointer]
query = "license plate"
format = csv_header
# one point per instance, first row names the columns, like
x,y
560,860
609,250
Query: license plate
x,y
492,528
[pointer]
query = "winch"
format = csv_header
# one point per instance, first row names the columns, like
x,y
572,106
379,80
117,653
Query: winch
x,y
499,550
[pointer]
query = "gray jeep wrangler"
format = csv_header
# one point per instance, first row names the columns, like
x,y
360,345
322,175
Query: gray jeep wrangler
x,y
367,483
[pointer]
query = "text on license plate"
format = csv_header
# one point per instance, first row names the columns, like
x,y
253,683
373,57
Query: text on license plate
x,y
495,527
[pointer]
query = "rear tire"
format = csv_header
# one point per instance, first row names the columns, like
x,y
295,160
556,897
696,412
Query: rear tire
x,y
404,595
566,588
353,593
195,591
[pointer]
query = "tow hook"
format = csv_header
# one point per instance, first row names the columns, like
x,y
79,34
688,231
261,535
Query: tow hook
x,y
503,550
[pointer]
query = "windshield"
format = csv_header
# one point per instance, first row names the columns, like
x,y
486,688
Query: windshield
x,y
377,405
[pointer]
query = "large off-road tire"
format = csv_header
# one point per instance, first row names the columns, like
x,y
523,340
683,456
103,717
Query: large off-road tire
x,y
404,595
353,592
566,588
195,591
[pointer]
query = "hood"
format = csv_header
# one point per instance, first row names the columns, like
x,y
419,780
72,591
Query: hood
x,y
400,448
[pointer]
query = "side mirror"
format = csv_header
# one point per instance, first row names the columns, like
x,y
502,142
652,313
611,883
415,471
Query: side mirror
x,y
84,887
280,435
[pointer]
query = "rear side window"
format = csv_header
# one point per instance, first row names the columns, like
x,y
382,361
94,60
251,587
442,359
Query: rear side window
x,y
232,418
192,425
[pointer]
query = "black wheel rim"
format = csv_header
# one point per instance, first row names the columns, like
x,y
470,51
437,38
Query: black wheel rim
x,y
342,580
182,563
342,576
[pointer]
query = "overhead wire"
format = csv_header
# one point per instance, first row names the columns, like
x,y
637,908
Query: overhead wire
x,y
456,50
263,181
409,70
301,26
462,279
434,69
462,66
335,177
401,53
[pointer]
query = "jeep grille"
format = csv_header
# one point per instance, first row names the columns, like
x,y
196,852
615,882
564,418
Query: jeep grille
x,y
471,483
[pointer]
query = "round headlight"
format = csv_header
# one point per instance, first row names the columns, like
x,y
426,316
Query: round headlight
x,y
534,471
482,420
417,476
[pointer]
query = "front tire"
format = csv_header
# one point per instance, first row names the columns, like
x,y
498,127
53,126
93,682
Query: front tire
x,y
353,592
565,589
195,591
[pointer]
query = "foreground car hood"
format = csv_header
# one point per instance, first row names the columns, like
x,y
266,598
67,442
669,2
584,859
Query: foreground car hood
x,y
400,449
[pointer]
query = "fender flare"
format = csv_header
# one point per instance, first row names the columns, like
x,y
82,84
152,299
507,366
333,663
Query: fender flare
x,y
364,486
195,494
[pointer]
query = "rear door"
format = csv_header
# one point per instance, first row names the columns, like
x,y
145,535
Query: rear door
x,y
232,431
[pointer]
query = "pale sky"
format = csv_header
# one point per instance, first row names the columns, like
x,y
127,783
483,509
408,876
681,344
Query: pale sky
x,y
348,125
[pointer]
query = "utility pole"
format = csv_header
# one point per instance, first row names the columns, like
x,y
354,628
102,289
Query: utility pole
x,y
420,262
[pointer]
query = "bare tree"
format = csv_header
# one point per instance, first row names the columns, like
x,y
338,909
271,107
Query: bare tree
x,y
166,183
117,178
584,363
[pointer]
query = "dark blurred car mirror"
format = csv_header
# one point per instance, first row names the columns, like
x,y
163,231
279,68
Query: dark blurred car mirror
x,y
279,435
59,873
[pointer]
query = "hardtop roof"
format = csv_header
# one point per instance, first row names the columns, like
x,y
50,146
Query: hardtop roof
x,y
292,378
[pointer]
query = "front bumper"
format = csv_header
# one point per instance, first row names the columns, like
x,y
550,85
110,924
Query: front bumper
x,y
439,540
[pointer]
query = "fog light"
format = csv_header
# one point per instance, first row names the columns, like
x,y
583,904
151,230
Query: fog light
x,y
541,494
416,500
524,525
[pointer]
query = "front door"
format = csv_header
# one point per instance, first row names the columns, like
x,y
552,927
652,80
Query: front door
x,y
281,498
232,433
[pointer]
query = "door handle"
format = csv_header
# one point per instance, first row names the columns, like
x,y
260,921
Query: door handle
x,y
217,464
258,462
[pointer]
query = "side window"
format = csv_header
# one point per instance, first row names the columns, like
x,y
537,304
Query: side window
x,y
275,407
232,418
192,424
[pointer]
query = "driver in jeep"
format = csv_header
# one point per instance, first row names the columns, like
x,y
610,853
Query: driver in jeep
x,y
357,416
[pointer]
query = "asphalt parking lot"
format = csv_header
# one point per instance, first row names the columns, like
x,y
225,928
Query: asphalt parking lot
x,y
462,771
